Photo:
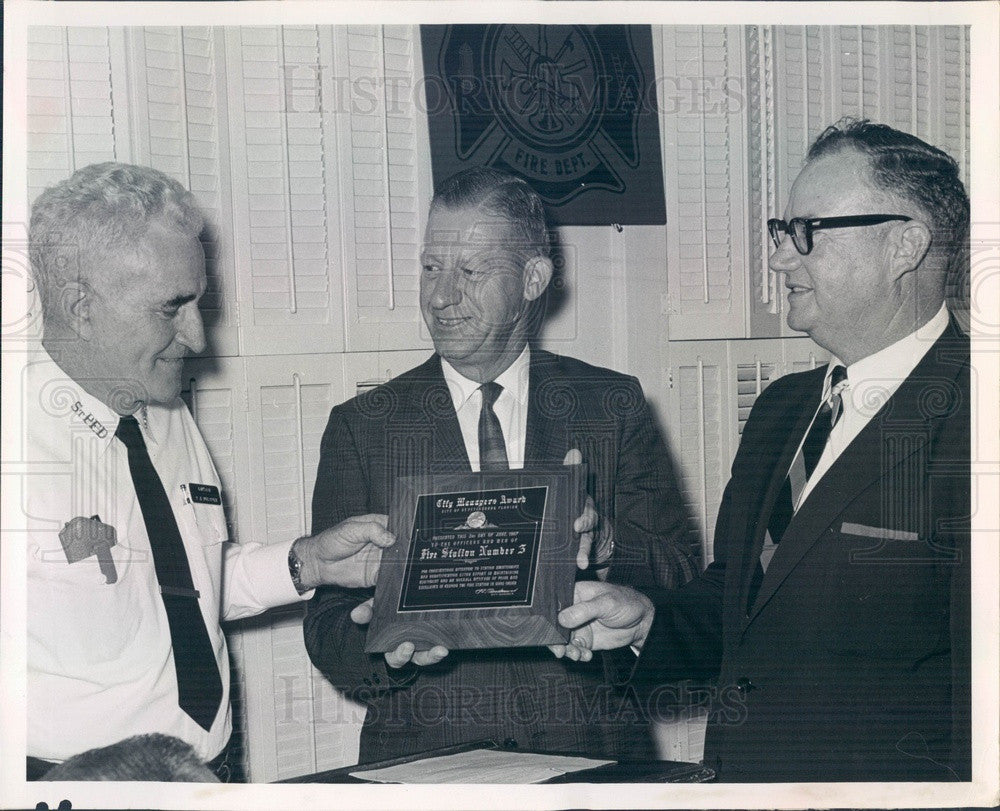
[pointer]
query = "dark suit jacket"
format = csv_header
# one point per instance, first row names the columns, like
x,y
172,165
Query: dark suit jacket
x,y
853,661
409,426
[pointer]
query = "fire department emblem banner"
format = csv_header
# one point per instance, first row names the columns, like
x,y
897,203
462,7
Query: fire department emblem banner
x,y
570,108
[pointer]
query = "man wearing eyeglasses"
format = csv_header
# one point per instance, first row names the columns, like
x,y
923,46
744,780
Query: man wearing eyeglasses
x,y
834,620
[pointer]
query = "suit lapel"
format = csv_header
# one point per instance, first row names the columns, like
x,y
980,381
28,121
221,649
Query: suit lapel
x,y
874,452
545,436
429,401
792,422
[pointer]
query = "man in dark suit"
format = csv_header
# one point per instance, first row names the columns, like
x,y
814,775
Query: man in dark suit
x,y
487,401
835,618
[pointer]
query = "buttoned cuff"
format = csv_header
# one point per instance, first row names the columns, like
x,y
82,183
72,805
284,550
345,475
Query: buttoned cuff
x,y
271,579
619,665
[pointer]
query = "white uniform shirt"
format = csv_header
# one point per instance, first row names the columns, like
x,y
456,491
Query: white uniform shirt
x,y
100,661
511,408
870,382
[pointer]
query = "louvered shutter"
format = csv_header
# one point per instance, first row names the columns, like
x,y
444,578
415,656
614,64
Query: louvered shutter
x,y
898,61
763,290
867,105
704,140
948,127
794,100
713,386
283,148
73,108
920,74
755,365
300,723
850,80
384,180
216,397
855,63
366,370
949,97
701,431
801,355
798,114
176,120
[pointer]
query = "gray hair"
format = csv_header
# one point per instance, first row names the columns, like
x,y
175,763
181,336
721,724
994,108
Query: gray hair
x,y
152,757
100,210
504,195
905,166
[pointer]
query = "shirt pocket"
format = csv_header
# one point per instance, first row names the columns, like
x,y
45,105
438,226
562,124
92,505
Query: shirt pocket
x,y
207,519
81,618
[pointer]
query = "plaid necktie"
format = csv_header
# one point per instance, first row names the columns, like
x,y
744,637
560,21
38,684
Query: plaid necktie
x,y
801,469
492,450
199,686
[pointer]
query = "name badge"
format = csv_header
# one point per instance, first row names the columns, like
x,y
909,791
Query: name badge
x,y
205,494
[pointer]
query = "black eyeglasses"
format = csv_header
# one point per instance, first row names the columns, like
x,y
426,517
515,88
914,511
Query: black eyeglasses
x,y
801,228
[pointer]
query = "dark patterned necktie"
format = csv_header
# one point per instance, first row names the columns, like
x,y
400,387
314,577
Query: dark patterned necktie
x,y
199,686
808,455
492,449
802,467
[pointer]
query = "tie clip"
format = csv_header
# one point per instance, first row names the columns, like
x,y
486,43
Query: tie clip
x,y
179,591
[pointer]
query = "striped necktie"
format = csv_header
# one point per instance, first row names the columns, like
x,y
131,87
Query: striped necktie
x,y
199,686
492,449
802,467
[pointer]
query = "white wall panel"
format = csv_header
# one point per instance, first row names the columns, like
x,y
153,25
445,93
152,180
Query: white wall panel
x,y
699,420
178,128
215,393
713,387
301,723
365,370
704,149
282,155
72,114
384,182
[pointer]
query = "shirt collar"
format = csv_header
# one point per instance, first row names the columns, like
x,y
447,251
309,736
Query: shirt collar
x,y
514,380
888,367
86,412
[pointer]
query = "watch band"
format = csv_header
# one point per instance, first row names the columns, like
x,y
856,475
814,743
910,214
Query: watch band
x,y
295,570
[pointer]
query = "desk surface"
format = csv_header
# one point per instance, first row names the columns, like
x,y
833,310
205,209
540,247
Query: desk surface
x,y
658,771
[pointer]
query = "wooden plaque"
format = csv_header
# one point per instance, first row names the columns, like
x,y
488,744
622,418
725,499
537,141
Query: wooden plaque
x,y
481,560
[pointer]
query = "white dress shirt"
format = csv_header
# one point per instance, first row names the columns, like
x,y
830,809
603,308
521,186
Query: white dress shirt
x,y
511,408
870,382
100,660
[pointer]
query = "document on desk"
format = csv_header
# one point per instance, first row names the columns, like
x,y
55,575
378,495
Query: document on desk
x,y
481,766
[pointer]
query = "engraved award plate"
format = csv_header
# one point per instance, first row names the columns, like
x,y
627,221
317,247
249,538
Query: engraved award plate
x,y
481,560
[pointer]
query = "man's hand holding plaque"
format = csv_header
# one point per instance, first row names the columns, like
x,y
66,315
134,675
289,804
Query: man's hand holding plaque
x,y
605,616
481,567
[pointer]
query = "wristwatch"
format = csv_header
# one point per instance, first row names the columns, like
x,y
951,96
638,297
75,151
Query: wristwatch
x,y
295,570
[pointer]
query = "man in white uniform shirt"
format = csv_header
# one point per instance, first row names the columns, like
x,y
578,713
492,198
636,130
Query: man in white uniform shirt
x,y
834,619
129,565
